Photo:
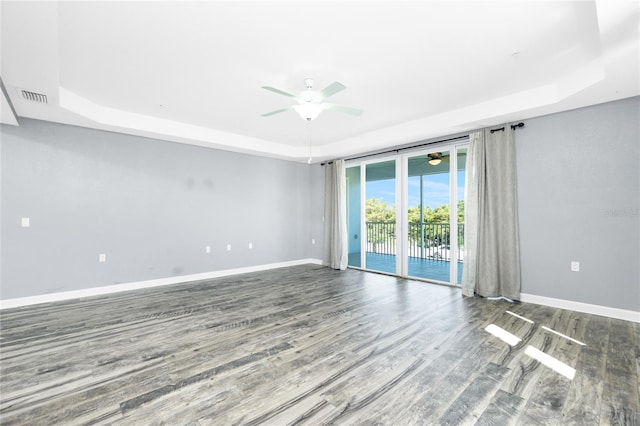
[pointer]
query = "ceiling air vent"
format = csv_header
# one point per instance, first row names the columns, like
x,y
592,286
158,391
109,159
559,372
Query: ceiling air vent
x,y
33,96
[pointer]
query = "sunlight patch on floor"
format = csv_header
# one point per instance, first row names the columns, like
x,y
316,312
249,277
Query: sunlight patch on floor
x,y
519,316
503,334
564,335
551,362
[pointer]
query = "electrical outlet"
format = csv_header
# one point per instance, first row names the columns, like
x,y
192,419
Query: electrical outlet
x,y
25,222
575,266
207,249
313,241
250,245
228,247
102,257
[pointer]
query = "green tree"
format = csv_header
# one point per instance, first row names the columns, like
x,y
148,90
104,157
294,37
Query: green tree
x,y
460,208
414,214
440,215
378,210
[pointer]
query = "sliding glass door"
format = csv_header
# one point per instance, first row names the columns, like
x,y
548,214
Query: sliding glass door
x,y
428,215
435,215
380,215
372,241
419,196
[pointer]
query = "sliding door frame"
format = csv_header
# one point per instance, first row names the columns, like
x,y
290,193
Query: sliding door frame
x,y
402,207
363,210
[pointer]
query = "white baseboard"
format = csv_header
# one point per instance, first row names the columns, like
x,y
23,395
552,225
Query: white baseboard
x,y
604,311
97,291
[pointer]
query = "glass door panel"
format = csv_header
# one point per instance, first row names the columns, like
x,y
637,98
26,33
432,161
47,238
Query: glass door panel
x,y
354,215
428,216
380,216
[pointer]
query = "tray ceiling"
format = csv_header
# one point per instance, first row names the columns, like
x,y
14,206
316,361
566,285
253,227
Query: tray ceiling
x,y
192,72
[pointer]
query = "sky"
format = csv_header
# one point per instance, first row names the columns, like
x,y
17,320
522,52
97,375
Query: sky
x,y
435,188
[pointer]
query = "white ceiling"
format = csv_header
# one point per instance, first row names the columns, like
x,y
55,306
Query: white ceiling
x,y
192,71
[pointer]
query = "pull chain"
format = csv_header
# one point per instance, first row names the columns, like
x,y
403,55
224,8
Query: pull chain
x,y
309,127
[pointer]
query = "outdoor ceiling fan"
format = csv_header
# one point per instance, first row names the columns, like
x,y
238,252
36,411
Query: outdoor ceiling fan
x,y
436,158
310,102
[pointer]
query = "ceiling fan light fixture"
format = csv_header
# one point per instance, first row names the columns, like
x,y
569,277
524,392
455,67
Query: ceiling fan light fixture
x,y
435,158
309,110
311,102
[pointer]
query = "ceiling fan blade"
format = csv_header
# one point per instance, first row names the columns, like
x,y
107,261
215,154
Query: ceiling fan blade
x,y
332,89
267,114
278,91
344,109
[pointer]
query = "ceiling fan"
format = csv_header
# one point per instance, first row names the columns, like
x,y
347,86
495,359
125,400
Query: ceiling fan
x,y
436,158
310,102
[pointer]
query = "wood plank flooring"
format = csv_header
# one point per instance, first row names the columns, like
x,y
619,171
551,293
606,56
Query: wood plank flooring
x,y
310,345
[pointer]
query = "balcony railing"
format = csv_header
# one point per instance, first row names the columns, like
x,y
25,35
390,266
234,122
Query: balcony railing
x,y
426,240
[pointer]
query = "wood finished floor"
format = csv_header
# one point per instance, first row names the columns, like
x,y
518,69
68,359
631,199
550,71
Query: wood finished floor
x,y
309,345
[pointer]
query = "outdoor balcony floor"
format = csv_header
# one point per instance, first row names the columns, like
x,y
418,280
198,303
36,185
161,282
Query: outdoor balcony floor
x,y
430,269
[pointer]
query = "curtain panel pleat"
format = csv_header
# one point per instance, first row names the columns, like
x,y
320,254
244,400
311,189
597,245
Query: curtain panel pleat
x,y
336,254
492,246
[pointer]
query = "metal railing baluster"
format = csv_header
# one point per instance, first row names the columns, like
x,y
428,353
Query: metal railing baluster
x,y
436,243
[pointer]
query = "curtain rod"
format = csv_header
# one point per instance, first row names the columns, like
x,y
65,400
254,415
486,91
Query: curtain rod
x,y
399,149
513,126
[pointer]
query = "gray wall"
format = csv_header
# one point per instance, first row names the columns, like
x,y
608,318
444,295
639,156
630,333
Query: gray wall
x,y
151,206
579,190
316,212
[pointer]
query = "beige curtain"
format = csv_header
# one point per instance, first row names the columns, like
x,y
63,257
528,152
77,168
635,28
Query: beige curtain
x,y
336,253
492,246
